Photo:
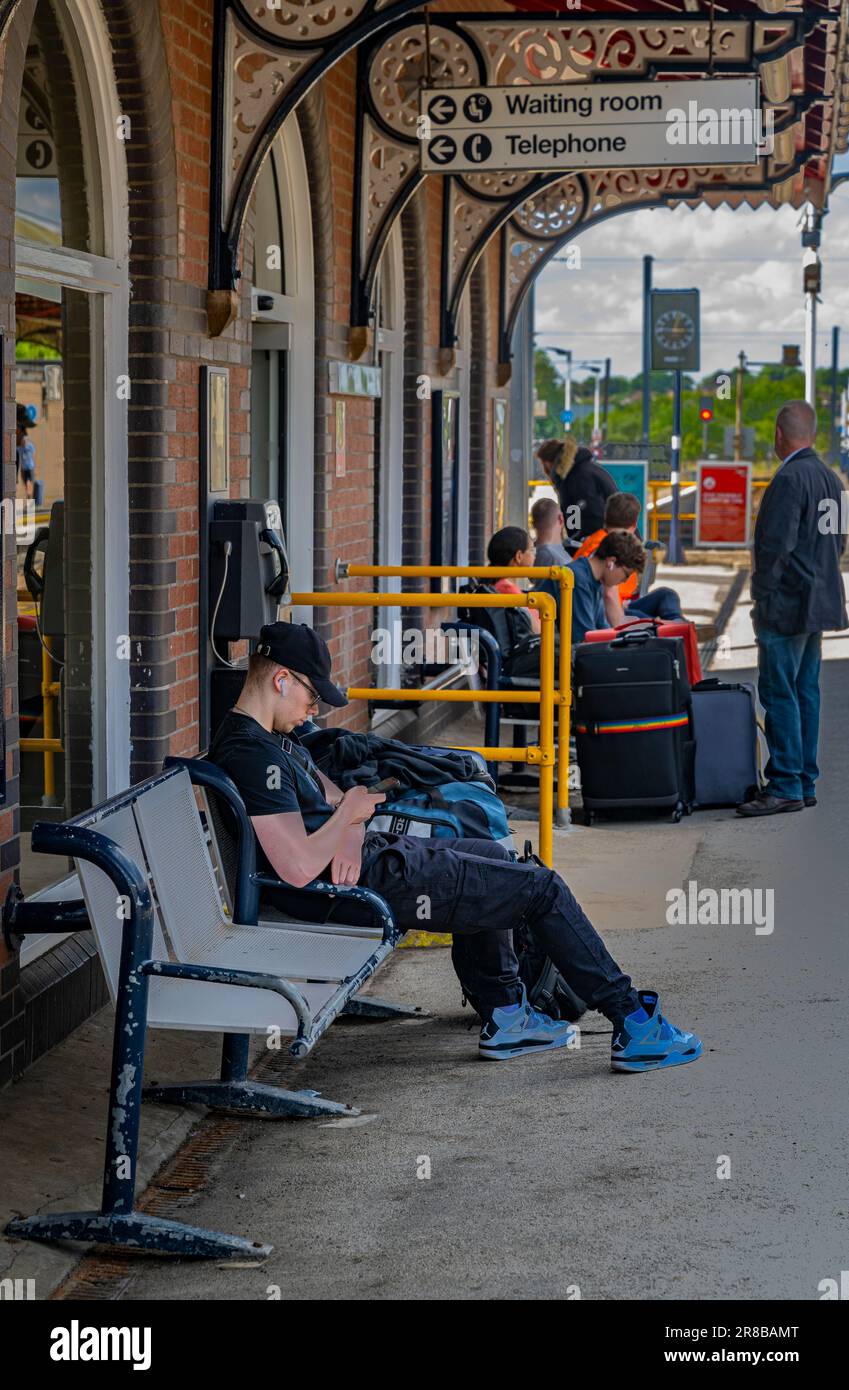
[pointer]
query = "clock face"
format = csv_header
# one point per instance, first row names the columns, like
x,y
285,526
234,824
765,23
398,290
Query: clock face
x,y
674,330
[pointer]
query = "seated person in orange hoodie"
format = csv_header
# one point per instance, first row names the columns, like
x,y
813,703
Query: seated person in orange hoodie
x,y
621,513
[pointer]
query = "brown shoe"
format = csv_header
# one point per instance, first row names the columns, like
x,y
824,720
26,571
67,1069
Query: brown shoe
x,y
766,805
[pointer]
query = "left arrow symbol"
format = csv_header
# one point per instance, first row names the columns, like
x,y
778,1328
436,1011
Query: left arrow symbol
x,y
442,109
442,149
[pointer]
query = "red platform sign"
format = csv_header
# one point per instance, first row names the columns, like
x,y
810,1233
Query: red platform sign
x,y
723,504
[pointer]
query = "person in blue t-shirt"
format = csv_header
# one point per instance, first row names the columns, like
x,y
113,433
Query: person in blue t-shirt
x,y
308,828
595,597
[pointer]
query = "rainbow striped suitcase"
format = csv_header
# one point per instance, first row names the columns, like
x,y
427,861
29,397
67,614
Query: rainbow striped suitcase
x,y
634,725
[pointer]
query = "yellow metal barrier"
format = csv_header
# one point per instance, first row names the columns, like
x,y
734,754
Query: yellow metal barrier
x,y
544,754
656,485
48,745
564,578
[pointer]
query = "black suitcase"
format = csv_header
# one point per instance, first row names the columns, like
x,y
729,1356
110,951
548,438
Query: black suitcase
x,y
726,730
633,724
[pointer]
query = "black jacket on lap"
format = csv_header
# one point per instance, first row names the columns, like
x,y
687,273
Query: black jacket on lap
x,y
797,585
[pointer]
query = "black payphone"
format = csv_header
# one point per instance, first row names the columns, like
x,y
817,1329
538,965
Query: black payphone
x,y
248,567
248,580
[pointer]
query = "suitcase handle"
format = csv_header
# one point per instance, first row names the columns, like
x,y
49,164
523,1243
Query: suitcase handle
x,y
639,622
632,639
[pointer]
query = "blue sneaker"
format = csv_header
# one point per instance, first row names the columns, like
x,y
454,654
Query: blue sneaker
x,y
646,1041
517,1029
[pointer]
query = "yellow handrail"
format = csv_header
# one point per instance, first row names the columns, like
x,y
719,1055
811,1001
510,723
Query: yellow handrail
x,y
544,754
47,745
563,577
656,485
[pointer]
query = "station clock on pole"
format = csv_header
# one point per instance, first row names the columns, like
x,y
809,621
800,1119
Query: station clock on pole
x,y
675,330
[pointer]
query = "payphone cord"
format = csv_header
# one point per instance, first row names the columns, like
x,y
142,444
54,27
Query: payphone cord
x,y
35,583
228,551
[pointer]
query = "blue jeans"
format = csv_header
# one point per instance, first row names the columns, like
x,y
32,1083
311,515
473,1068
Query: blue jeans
x,y
789,688
657,603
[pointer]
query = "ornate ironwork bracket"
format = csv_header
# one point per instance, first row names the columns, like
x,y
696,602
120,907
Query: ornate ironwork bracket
x,y
7,9
264,61
470,50
535,231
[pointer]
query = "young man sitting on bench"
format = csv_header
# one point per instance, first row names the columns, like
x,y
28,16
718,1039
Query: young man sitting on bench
x,y
307,828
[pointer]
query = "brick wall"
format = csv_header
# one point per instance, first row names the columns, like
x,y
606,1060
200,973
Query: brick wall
x,y
162,57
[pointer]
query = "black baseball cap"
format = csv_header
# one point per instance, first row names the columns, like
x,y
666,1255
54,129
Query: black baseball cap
x,y
297,646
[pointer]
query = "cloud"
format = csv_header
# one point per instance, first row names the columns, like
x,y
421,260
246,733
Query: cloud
x,y
747,264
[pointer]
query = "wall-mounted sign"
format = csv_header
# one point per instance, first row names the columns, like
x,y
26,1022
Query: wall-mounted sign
x,y
594,125
215,427
354,379
339,447
675,330
723,504
631,475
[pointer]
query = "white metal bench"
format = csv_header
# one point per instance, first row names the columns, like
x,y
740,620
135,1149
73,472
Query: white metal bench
x,y
177,955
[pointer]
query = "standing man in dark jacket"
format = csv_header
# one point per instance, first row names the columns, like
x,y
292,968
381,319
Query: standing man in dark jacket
x,y
797,589
582,485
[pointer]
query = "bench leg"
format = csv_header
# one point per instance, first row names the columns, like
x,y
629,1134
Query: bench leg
x,y
138,1231
372,1007
254,1097
235,1056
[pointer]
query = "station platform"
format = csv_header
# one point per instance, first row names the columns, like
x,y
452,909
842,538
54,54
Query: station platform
x,y
548,1174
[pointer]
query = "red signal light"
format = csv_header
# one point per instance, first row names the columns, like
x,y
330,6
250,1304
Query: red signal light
x,y
706,413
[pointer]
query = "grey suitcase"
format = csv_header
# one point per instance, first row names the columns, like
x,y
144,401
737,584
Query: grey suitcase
x,y
726,731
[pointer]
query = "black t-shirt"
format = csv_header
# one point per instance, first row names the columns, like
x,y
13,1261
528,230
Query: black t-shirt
x,y
272,772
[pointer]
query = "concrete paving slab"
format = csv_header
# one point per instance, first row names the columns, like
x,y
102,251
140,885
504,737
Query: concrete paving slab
x,y
52,1131
540,1177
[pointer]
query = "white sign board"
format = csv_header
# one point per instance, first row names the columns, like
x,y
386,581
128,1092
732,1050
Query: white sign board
x,y
594,125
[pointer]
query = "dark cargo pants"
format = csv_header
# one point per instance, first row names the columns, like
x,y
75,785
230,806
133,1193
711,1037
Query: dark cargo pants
x,y
473,889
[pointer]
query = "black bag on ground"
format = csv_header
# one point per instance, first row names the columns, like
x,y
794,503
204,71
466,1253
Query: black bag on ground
x,y
726,730
512,629
518,643
633,724
545,986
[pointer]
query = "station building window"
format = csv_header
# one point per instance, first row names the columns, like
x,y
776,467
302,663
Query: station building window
x,y
71,386
389,439
450,456
282,388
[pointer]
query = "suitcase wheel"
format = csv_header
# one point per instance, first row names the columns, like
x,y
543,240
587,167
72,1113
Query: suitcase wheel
x,y
588,816
678,812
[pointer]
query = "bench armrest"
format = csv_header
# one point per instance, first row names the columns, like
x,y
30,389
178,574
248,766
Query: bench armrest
x,y
204,773
222,975
379,908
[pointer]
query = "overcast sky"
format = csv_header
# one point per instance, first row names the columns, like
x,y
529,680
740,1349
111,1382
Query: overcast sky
x,y
747,265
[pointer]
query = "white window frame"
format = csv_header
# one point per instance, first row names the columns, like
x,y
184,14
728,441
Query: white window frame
x,y
106,278
389,348
290,326
463,379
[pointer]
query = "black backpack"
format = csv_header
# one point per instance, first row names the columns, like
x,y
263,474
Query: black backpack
x,y
512,629
545,987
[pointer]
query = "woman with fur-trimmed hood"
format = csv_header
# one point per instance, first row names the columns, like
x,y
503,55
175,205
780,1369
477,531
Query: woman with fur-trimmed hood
x,y
582,485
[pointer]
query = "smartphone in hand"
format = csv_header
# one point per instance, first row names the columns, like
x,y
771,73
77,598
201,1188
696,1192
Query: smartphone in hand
x,y
388,784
